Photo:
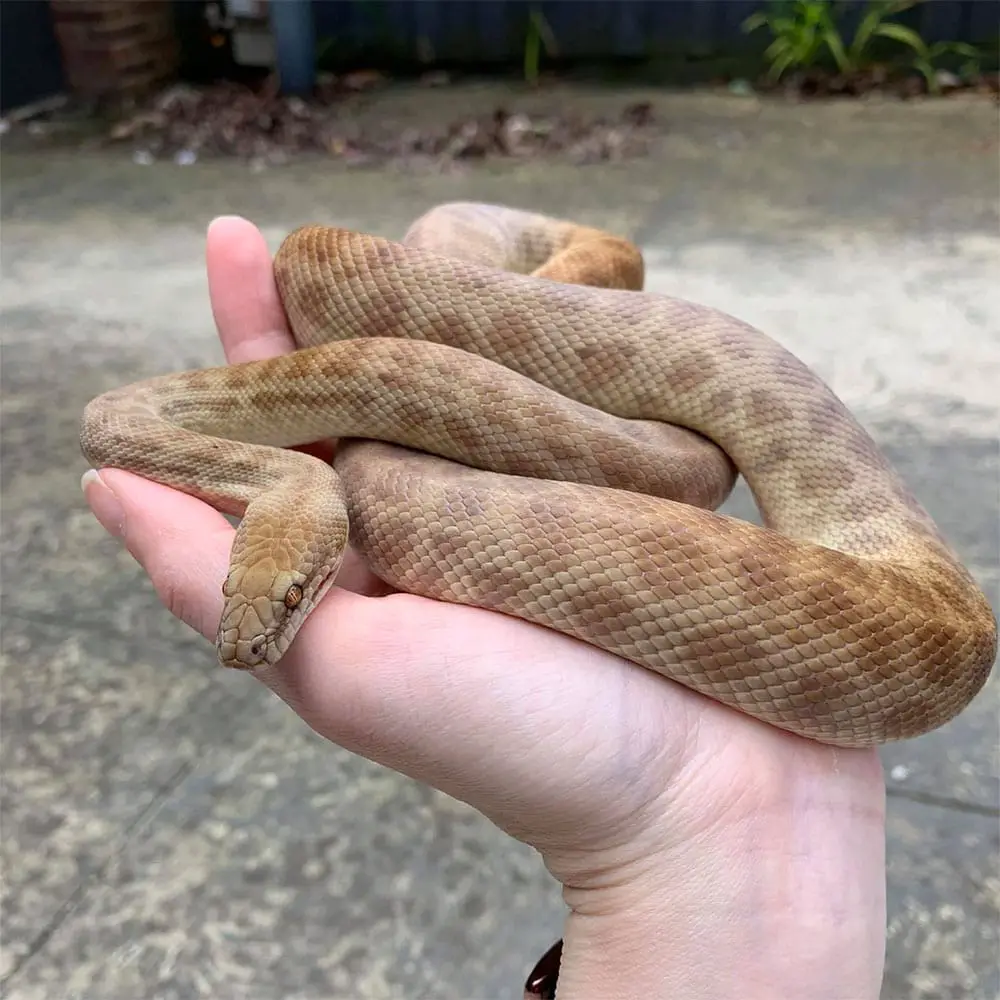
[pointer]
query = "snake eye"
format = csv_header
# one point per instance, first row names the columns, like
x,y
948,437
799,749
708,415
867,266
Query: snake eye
x,y
292,596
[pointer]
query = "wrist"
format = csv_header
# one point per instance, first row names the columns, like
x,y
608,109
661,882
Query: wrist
x,y
786,899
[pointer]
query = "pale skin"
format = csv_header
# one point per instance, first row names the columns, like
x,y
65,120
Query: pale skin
x,y
702,854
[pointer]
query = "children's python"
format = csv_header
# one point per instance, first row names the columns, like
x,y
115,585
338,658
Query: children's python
x,y
517,390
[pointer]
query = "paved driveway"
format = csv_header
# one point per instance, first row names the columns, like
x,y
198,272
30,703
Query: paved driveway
x,y
172,831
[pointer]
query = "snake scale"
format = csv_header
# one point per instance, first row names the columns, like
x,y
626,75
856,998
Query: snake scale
x,y
524,429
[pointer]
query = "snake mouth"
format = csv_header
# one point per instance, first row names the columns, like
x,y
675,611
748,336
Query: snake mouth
x,y
268,646
237,652
243,654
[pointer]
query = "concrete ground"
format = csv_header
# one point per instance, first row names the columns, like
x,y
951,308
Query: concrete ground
x,y
172,831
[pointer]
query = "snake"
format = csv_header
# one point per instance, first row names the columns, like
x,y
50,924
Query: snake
x,y
521,427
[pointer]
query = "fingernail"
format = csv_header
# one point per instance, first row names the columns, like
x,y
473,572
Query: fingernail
x,y
224,218
545,975
103,503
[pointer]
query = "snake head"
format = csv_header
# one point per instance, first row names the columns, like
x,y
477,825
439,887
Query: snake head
x,y
277,576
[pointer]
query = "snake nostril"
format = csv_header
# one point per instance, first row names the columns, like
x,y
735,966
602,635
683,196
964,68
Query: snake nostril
x,y
257,646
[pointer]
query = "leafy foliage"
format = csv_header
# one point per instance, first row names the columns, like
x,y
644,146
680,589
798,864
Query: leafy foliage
x,y
806,32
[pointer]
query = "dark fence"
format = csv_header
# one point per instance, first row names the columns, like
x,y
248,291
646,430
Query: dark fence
x,y
30,64
474,33
477,32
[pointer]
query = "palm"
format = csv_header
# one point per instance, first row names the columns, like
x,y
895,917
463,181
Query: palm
x,y
657,808
535,702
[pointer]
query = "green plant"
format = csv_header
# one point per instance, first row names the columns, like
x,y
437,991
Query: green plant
x,y
539,35
801,29
925,56
804,29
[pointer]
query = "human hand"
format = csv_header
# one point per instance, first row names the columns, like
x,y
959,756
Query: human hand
x,y
703,854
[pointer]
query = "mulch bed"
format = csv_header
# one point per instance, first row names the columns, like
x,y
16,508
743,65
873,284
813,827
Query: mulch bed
x,y
820,83
256,124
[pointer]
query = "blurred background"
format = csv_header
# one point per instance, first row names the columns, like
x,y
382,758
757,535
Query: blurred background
x,y
825,171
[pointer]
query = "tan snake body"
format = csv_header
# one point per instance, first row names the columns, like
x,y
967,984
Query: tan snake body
x,y
562,495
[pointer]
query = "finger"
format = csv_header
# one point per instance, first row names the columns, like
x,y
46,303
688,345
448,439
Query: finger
x,y
243,293
184,546
245,301
154,522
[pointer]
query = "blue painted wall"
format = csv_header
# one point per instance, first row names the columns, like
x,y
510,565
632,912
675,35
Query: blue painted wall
x,y
475,32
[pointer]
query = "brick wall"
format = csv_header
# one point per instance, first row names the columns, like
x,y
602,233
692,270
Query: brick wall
x,y
115,49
